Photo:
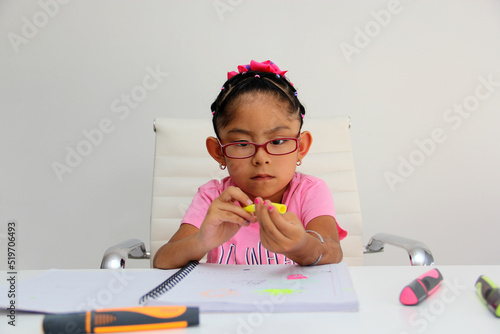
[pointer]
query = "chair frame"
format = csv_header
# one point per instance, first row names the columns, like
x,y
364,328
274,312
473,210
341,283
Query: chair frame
x,y
419,253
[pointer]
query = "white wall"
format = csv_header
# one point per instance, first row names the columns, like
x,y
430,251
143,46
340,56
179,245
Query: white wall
x,y
65,68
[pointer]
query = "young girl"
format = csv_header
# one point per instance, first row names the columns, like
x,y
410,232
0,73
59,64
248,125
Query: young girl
x,y
257,119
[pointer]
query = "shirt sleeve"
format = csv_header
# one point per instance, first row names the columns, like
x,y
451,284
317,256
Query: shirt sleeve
x,y
318,201
198,208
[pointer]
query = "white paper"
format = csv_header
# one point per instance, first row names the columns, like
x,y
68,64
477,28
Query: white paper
x,y
273,288
211,287
59,291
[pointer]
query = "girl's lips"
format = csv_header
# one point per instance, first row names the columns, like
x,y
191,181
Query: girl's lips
x,y
262,177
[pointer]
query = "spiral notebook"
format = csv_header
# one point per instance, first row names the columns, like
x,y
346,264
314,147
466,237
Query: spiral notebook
x,y
211,287
247,288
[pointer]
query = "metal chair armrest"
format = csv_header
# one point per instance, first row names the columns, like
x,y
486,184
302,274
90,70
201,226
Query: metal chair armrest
x,y
115,256
420,254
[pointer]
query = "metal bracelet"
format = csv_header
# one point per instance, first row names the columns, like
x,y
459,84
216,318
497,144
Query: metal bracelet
x,y
320,239
317,261
319,235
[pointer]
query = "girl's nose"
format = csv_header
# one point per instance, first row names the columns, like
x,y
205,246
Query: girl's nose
x,y
261,157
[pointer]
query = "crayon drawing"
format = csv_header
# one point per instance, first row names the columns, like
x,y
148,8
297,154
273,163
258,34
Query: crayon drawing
x,y
296,276
278,292
219,293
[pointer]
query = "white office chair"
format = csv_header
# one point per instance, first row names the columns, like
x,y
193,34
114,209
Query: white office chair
x,y
182,164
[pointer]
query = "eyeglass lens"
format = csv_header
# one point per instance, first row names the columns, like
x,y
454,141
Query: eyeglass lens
x,y
276,147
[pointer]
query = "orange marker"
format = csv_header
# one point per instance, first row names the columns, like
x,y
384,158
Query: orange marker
x,y
121,319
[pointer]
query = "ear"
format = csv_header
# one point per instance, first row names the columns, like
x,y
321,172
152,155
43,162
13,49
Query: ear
x,y
304,145
215,150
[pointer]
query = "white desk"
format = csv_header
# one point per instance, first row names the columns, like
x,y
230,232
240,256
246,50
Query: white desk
x,y
454,308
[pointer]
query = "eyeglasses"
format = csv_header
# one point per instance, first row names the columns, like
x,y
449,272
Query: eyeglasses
x,y
246,149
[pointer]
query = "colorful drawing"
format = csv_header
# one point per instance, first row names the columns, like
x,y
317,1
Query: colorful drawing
x,y
278,292
220,293
249,282
296,276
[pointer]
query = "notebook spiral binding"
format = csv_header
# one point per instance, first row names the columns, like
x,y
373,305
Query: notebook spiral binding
x,y
169,283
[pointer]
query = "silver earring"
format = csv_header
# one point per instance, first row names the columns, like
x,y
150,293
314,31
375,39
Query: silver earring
x,y
299,162
222,167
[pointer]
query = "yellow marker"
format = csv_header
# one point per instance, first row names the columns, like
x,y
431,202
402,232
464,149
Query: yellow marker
x,y
281,207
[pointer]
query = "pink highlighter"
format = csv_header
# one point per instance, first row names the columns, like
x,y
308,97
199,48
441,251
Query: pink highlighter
x,y
421,287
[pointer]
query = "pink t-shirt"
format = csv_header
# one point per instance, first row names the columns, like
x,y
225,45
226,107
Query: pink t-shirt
x,y
307,196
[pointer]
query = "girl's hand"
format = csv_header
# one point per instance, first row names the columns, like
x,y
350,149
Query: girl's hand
x,y
224,218
279,233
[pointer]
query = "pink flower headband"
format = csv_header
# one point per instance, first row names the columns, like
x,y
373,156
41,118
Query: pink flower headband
x,y
265,66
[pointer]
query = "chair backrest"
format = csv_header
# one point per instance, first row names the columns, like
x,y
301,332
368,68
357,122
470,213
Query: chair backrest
x,y
182,164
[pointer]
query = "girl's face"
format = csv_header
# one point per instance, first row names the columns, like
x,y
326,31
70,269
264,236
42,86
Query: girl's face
x,y
258,119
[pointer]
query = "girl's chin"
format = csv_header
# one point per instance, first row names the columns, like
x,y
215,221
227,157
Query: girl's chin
x,y
266,193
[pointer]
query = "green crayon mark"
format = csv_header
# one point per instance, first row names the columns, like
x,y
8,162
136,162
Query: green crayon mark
x,y
278,292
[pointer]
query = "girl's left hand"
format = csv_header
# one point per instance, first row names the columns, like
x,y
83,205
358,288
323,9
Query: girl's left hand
x,y
279,233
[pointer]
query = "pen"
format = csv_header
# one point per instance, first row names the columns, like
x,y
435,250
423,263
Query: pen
x,y
121,319
421,287
489,293
281,207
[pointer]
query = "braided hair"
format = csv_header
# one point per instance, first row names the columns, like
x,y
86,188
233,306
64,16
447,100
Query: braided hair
x,y
254,81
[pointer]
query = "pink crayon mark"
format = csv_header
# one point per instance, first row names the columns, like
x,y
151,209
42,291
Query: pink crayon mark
x,y
297,276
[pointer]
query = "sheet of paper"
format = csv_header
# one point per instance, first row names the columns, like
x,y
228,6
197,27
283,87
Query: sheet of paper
x,y
213,288
276,288
59,291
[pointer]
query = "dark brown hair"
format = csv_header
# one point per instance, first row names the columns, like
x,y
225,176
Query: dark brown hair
x,y
254,82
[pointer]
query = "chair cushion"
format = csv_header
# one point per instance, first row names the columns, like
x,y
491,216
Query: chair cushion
x,y
182,164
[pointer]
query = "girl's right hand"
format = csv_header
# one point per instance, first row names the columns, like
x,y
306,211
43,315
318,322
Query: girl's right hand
x,y
224,218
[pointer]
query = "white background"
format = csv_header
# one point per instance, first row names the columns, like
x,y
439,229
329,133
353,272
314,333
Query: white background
x,y
65,66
